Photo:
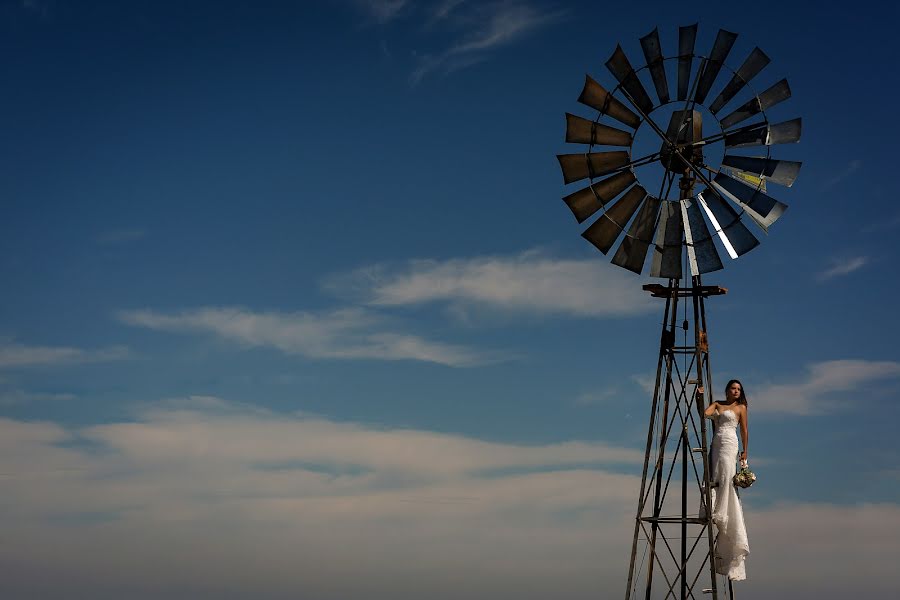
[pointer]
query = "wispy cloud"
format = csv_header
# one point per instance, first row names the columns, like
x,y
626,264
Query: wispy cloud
x,y
594,397
10,397
338,334
852,167
885,223
843,266
818,391
444,9
647,383
530,282
474,29
383,11
486,28
209,428
13,354
206,498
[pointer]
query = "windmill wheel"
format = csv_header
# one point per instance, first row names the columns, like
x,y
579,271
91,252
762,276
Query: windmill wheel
x,y
673,222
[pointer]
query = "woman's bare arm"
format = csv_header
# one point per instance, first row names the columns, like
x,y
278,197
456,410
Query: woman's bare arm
x,y
745,434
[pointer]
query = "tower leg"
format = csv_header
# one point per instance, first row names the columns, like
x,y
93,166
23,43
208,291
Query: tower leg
x,y
704,373
663,343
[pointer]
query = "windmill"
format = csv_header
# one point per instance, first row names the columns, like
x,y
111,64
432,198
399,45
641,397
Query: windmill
x,y
680,227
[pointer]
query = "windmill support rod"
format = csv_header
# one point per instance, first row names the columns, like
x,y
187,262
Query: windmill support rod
x,y
701,333
684,497
686,186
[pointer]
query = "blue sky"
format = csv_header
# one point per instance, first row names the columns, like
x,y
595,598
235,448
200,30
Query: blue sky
x,y
292,306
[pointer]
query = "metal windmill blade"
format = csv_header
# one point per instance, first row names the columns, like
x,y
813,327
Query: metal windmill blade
x,y
783,172
687,37
750,69
713,64
779,92
684,228
653,53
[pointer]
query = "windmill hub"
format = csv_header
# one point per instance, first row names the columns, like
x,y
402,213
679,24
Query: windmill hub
x,y
679,149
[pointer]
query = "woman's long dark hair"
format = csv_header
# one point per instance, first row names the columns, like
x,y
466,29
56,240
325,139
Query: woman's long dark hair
x,y
743,397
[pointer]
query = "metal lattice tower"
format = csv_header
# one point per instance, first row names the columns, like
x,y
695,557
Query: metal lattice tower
x,y
673,548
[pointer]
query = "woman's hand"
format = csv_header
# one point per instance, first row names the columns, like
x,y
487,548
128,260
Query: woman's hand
x,y
743,456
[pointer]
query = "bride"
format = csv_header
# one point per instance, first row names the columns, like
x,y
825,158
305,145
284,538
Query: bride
x,y
731,542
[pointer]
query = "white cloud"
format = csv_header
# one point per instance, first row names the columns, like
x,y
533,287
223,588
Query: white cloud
x,y
337,334
842,267
13,354
646,382
803,551
814,393
489,26
208,499
528,282
205,428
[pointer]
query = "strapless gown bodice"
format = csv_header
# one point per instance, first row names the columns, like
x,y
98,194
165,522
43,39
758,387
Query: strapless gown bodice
x,y
725,437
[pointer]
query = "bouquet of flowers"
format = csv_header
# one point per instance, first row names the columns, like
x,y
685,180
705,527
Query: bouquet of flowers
x,y
745,477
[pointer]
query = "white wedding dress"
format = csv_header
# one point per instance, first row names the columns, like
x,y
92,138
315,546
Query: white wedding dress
x,y
731,542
